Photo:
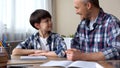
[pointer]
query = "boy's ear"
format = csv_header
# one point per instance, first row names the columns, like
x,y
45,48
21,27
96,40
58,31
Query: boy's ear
x,y
37,25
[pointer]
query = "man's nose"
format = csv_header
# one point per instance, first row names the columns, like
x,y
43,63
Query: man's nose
x,y
77,12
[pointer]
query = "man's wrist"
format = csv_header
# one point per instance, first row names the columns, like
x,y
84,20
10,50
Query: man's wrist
x,y
92,56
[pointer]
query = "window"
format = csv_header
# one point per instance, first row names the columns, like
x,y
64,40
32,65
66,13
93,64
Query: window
x,y
14,17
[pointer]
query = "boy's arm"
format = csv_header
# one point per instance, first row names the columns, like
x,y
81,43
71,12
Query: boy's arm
x,y
50,53
23,48
18,51
47,53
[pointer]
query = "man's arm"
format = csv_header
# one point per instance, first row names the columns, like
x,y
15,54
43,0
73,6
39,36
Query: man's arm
x,y
113,41
92,56
74,54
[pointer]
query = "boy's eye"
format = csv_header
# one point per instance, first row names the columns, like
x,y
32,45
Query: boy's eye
x,y
47,20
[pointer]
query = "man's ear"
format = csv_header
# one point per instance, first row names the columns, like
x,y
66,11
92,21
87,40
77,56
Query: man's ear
x,y
89,5
37,25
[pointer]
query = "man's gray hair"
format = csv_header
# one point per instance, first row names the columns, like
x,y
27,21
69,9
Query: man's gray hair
x,y
94,2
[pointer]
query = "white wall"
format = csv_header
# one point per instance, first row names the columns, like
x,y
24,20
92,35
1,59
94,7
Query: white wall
x,y
67,20
111,6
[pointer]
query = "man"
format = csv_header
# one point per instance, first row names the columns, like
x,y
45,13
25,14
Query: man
x,y
97,36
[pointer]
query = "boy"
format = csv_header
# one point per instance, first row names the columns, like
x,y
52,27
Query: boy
x,y
44,42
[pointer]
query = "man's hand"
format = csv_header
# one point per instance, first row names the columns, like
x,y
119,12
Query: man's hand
x,y
73,54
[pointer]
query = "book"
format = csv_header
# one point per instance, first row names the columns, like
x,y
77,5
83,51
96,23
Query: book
x,y
33,57
73,64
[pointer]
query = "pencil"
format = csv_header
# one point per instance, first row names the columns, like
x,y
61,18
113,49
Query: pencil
x,y
1,44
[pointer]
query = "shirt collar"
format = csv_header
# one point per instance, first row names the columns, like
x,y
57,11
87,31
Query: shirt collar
x,y
98,20
36,35
100,17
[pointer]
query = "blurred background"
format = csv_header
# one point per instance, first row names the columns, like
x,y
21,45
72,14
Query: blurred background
x,y
14,16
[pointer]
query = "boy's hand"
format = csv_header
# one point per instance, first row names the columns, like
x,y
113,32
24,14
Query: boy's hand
x,y
37,54
39,51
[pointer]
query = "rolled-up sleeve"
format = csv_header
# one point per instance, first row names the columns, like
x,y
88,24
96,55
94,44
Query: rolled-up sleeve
x,y
24,44
61,47
113,41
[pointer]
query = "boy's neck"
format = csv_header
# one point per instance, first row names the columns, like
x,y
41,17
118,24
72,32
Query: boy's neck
x,y
43,34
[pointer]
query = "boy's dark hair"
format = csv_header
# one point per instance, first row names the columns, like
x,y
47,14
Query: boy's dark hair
x,y
38,15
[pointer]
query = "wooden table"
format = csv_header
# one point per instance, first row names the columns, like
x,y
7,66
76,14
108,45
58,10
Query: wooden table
x,y
36,63
15,60
3,60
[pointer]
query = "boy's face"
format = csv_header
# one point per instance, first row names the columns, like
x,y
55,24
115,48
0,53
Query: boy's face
x,y
45,25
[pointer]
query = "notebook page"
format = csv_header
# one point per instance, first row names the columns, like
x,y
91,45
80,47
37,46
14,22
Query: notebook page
x,y
85,64
57,63
33,57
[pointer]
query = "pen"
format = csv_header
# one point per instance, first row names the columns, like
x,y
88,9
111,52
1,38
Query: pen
x,y
4,39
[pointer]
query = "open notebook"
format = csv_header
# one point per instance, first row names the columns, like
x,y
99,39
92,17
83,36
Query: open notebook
x,y
75,64
33,57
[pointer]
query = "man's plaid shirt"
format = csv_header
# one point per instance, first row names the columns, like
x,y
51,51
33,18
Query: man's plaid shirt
x,y
55,42
104,37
